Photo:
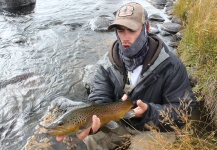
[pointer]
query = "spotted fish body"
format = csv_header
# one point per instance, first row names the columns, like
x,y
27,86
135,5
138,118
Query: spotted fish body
x,y
81,117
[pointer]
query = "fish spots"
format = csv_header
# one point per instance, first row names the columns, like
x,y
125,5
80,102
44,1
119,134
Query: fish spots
x,y
81,117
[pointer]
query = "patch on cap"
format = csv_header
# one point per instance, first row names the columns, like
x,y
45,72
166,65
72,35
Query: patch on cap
x,y
126,11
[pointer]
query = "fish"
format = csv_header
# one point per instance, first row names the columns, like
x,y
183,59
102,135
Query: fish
x,y
77,119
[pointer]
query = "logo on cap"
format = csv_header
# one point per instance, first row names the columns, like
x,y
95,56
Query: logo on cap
x,y
126,11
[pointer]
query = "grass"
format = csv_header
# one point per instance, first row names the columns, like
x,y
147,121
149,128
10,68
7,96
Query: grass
x,y
198,48
188,138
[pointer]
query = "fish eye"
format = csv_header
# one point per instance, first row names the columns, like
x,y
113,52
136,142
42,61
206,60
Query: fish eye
x,y
60,123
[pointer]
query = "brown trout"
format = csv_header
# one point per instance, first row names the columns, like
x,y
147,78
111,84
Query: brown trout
x,y
81,118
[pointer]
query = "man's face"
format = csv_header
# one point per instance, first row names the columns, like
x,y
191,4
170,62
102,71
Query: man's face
x,y
127,36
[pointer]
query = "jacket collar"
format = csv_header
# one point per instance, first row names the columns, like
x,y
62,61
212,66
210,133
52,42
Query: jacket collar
x,y
155,46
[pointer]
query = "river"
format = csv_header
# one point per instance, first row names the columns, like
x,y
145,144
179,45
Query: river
x,y
43,55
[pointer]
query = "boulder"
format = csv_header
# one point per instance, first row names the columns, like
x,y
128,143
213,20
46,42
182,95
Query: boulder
x,y
176,19
156,17
17,6
158,3
154,30
100,23
15,3
171,27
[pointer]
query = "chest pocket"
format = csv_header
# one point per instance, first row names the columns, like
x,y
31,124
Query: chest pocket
x,y
153,77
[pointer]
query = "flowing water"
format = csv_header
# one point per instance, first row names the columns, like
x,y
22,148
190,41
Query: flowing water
x,y
43,55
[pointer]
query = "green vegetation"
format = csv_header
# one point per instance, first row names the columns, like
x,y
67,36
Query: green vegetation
x,y
198,51
198,48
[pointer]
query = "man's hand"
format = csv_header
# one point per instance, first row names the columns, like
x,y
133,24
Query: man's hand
x,y
94,128
140,110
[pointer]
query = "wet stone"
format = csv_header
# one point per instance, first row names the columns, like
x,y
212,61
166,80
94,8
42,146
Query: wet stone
x,y
170,17
176,19
171,27
164,33
100,23
19,40
154,30
173,44
177,37
15,4
156,17
73,26
159,2
169,10
168,4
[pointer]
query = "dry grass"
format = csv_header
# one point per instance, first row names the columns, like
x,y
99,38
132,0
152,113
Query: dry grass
x,y
187,138
198,48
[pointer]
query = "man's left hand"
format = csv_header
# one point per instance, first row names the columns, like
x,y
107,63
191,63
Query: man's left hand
x,y
140,109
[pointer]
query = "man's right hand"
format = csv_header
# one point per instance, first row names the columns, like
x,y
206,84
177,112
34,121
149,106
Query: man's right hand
x,y
94,128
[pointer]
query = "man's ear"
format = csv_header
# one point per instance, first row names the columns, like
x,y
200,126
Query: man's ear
x,y
147,26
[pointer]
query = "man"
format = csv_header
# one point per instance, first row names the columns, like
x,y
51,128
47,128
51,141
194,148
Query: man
x,y
139,65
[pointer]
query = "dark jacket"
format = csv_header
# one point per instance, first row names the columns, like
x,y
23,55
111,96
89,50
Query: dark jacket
x,y
163,84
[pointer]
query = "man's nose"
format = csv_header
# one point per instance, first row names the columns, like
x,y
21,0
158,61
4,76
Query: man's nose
x,y
126,36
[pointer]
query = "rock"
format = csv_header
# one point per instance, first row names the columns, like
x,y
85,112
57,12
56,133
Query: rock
x,y
164,33
159,3
156,17
173,44
90,71
15,3
169,3
171,27
154,30
73,26
147,140
177,37
100,23
19,40
176,19
18,6
41,140
170,17
169,10
88,79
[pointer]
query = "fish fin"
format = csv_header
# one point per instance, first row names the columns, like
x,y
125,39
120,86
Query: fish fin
x,y
112,125
79,131
129,114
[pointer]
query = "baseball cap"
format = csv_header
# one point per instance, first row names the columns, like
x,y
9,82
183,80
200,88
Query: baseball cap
x,y
131,15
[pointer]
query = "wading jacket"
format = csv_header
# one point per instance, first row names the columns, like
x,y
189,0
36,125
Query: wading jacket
x,y
163,85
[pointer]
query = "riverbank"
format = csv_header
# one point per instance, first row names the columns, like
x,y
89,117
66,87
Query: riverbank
x,y
198,51
198,48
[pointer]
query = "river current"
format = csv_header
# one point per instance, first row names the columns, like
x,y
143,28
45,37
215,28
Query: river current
x,y
43,55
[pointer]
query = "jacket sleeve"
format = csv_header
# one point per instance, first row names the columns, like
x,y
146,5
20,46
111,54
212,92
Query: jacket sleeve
x,y
177,101
103,89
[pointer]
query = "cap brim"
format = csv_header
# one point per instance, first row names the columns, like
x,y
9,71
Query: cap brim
x,y
131,24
